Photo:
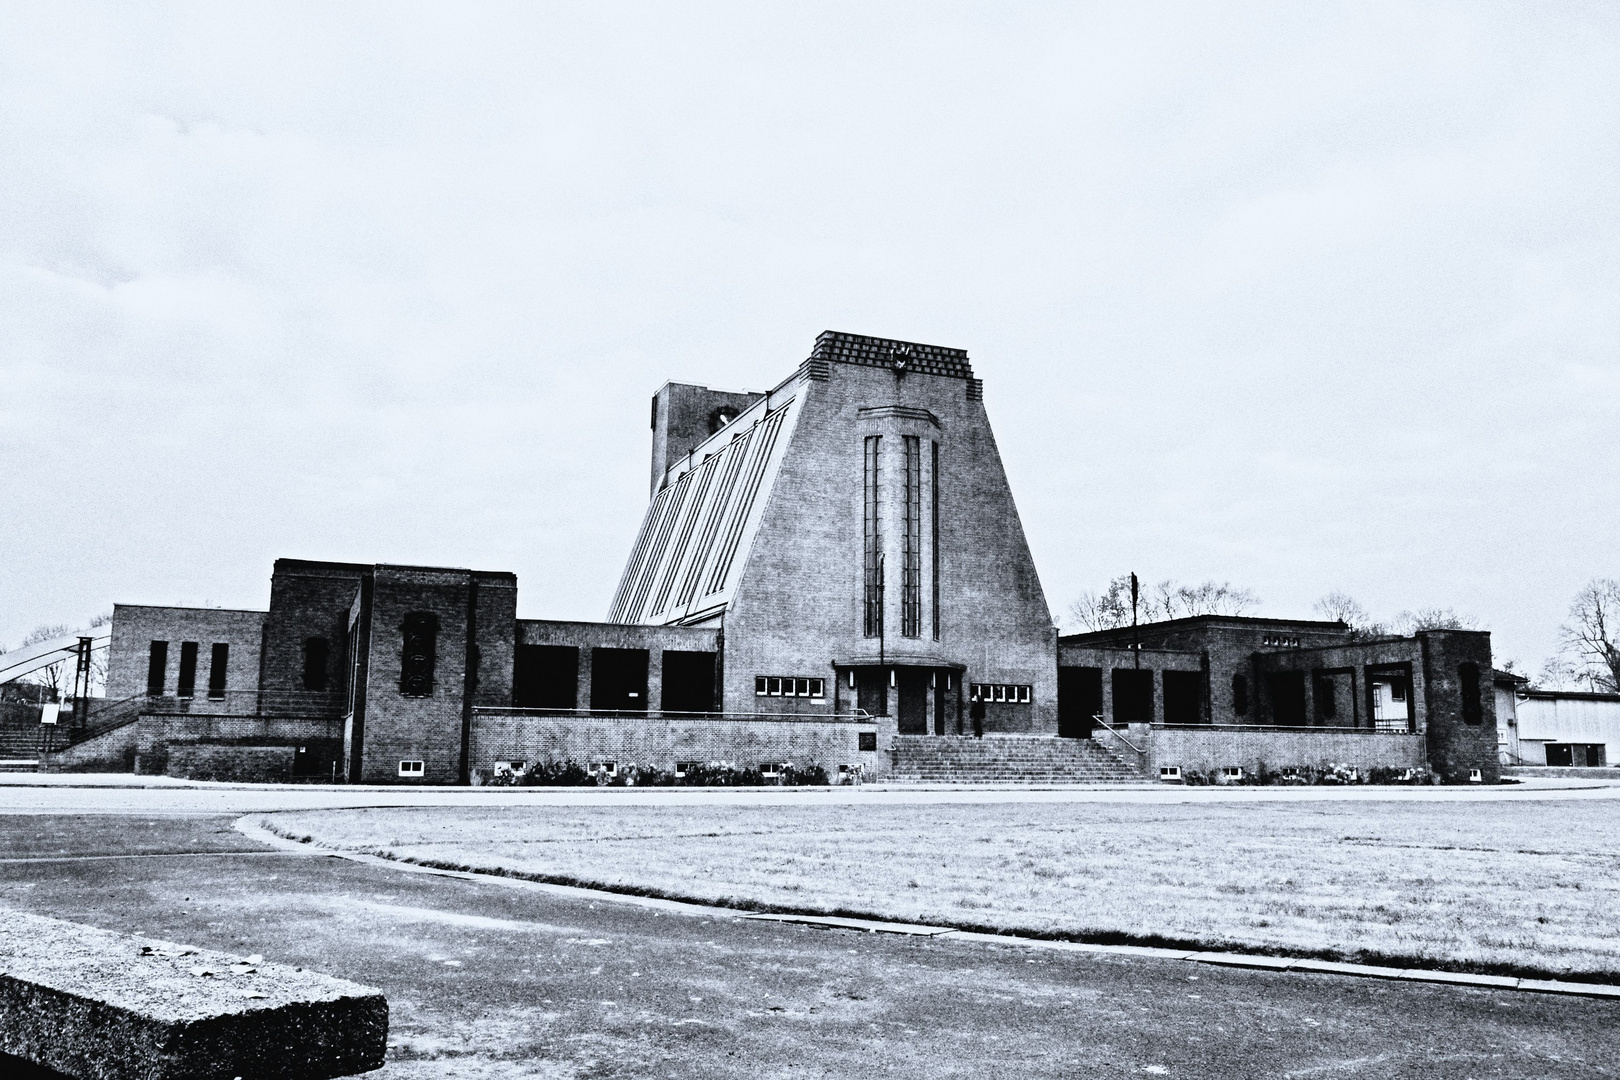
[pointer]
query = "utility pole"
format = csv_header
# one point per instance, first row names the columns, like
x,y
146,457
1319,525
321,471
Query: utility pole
x,y
1136,635
81,685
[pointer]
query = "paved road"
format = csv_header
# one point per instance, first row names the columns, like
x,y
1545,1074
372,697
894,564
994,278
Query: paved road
x,y
486,981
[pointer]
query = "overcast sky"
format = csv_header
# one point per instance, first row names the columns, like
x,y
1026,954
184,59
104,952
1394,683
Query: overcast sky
x,y
1301,296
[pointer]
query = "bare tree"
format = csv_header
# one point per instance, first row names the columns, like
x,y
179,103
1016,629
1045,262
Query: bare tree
x,y
1111,608
1104,610
54,677
1410,622
1590,640
1343,607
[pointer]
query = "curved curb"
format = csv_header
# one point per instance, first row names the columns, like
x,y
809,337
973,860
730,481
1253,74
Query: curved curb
x,y
1255,961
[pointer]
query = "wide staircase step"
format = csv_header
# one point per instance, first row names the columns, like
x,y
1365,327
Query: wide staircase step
x,y
1007,760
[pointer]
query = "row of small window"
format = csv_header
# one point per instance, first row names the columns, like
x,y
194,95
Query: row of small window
x,y
784,686
1279,641
997,692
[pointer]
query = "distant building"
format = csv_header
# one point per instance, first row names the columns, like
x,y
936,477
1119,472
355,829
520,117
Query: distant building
x,y
1560,728
829,573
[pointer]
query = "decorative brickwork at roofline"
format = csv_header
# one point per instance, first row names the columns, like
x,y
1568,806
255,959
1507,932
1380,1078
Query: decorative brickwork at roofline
x,y
881,352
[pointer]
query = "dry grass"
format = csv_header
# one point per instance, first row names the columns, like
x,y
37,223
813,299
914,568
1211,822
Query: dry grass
x,y
1528,886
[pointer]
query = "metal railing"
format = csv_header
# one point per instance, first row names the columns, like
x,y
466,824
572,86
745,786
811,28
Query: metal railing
x,y
312,703
1116,733
859,716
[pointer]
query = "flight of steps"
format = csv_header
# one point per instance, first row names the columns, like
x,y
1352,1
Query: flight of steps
x,y
1006,759
19,743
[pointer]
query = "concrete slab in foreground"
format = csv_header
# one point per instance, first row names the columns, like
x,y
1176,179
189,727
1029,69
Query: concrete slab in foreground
x,y
98,1005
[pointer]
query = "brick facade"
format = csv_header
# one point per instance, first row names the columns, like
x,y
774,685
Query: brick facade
x,y
663,743
844,545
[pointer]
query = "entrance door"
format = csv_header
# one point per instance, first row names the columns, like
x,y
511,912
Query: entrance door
x,y
872,690
1079,699
913,686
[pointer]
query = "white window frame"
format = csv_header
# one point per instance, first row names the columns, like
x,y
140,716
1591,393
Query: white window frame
x,y
412,768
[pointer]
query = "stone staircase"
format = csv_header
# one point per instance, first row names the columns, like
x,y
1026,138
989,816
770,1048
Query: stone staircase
x,y
1007,759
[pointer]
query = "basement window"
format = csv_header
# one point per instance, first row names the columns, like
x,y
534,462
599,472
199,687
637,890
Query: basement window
x,y
1232,772
412,769
1170,773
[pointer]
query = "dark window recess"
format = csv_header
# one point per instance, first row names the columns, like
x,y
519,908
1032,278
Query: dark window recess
x,y
316,655
872,624
1287,692
219,665
866,740
688,681
1327,698
1561,754
1240,695
1079,700
1468,673
545,677
419,654
933,542
1183,697
911,572
157,665
186,685
619,680
1133,696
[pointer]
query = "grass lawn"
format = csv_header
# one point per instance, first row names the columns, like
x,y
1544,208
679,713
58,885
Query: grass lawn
x,y
1485,886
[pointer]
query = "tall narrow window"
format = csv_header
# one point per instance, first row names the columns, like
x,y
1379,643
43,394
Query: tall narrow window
x,y
1471,708
218,663
315,663
933,541
187,684
157,666
421,630
911,574
873,540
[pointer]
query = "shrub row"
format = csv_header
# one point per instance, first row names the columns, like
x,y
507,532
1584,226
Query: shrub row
x,y
692,774
1303,775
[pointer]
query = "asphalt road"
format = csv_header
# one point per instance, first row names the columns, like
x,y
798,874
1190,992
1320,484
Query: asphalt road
x,y
488,981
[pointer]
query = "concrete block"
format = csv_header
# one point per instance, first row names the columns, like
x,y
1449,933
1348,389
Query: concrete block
x,y
97,1005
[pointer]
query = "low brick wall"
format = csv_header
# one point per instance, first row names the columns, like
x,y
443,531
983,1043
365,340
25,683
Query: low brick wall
x,y
111,751
663,742
1212,748
240,748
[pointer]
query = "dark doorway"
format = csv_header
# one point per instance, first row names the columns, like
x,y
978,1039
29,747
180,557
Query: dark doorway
x,y
1133,696
545,677
688,681
1079,699
1287,692
1184,697
872,690
619,680
913,686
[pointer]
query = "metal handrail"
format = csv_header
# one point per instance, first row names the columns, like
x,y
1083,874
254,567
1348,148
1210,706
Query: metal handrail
x,y
859,716
1115,733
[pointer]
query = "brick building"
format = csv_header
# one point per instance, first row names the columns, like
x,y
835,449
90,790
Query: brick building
x,y
832,572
